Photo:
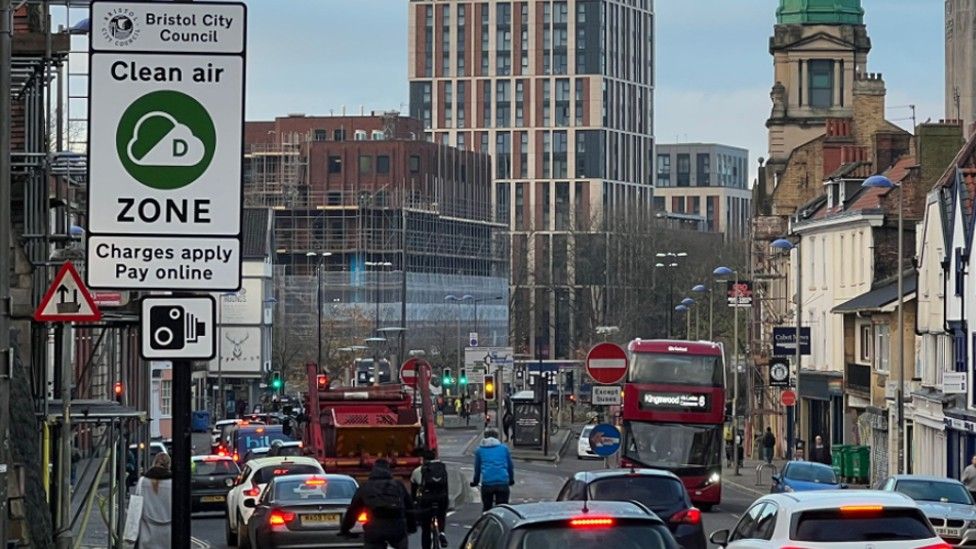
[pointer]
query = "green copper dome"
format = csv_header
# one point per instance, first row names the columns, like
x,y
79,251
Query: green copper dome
x,y
820,12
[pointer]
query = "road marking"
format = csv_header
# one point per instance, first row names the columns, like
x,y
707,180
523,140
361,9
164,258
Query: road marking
x,y
744,488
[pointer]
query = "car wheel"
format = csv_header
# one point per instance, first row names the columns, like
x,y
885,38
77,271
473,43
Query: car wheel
x,y
229,535
242,541
706,507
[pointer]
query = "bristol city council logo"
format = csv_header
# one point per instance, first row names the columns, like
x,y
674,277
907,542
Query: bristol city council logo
x,y
121,27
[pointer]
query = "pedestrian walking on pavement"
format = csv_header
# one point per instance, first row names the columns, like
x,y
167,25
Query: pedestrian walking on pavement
x,y
969,476
768,443
388,508
820,453
508,421
156,489
432,495
493,469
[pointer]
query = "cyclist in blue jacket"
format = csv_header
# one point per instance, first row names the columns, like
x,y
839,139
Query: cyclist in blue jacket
x,y
493,469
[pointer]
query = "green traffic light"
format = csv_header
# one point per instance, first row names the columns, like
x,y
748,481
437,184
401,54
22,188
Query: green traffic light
x,y
464,381
276,384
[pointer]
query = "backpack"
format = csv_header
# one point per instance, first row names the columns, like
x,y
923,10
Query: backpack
x,y
386,499
433,480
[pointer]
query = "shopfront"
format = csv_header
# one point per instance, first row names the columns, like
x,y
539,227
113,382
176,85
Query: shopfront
x,y
823,396
960,440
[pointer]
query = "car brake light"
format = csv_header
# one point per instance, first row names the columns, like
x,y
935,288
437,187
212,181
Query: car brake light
x,y
687,516
252,492
363,518
937,546
591,522
315,482
237,456
858,509
279,517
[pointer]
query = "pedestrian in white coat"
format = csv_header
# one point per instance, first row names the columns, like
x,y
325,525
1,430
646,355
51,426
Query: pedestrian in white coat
x,y
156,489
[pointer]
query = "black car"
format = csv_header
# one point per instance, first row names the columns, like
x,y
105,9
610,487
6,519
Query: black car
x,y
210,479
661,491
301,511
570,524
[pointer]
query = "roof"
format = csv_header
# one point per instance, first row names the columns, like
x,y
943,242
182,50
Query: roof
x,y
864,199
275,460
829,499
926,478
589,476
256,233
820,12
880,297
674,345
211,458
534,513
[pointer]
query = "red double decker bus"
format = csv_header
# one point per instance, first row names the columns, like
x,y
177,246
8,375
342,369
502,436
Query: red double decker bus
x,y
674,412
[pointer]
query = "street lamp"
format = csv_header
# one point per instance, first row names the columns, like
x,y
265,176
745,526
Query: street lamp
x,y
376,287
701,289
670,262
480,300
882,182
318,301
682,308
458,300
723,273
689,302
793,412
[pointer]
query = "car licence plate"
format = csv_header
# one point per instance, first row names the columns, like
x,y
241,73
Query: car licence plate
x,y
948,532
321,519
212,499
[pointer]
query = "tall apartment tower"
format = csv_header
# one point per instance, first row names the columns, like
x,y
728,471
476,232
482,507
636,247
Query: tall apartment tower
x,y
960,56
560,93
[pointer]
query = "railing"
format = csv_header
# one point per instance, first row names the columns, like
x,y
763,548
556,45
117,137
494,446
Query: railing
x,y
858,377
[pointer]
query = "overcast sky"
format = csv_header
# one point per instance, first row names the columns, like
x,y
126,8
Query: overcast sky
x,y
714,70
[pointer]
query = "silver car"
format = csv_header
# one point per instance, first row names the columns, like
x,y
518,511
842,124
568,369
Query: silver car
x,y
946,502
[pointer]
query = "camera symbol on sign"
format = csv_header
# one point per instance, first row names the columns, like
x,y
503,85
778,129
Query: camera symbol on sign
x,y
172,328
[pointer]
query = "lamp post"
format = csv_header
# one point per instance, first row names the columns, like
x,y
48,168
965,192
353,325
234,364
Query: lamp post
x,y
701,289
459,300
793,412
480,300
318,301
219,406
880,181
683,309
689,303
724,273
376,287
671,263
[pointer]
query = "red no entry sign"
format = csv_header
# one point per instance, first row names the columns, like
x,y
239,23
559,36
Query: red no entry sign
x,y
606,363
788,398
412,369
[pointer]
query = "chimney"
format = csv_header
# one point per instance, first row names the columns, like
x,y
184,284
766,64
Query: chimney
x,y
869,107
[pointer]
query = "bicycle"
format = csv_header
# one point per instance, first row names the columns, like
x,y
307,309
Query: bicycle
x,y
437,536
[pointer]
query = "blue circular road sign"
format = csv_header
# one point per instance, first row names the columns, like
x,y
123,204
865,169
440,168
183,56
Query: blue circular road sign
x,y
605,440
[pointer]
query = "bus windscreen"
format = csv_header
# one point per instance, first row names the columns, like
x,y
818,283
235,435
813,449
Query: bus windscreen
x,y
677,369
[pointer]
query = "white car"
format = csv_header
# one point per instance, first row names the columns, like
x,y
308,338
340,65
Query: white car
x,y
218,428
583,449
254,477
832,519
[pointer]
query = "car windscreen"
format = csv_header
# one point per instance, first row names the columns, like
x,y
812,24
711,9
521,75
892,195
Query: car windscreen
x,y
618,536
265,474
312,489
655,492
841,525
288,451
808,472
205,468
585,433
932,490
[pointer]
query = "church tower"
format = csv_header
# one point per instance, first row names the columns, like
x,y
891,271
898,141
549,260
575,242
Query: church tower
x,y
818,46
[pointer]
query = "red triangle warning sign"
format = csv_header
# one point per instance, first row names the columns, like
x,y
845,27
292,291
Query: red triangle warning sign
x,y
67,299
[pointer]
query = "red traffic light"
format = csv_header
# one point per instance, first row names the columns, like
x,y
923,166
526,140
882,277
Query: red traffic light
x,y
118,389
322,381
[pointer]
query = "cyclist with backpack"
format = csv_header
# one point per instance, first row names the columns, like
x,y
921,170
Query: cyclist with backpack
x,y
493,469
388,507
430,490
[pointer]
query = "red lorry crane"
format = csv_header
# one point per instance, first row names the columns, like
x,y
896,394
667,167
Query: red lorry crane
x,y
349,428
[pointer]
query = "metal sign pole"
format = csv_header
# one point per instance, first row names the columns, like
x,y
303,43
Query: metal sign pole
x,y
182,374
6,353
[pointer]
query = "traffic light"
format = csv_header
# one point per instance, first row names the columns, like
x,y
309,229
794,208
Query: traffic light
x,y
490,388
322,382
463,377
118,390
276,383
448,377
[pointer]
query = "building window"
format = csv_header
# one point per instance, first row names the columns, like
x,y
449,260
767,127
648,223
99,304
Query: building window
x,y
562,206
882,347
414,163
461,122
365,163
484,38
959,350
503,155
486,102
524,154
524,31
520,206
503,24
544,206
579,102
383,164
502,207
166,397
429,41
866,344
339,135
335,164
704,167
519,102
562,102
546,153
684,170
460,43
446,41
821,82
546,96
664,170
559,154
503,104
448,104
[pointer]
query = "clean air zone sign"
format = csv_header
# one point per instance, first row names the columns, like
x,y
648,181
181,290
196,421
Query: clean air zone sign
x,y
166,115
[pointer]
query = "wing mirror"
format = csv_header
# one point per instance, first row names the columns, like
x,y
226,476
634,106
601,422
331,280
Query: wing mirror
x,y
776,478
250,503
719,537
844,486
